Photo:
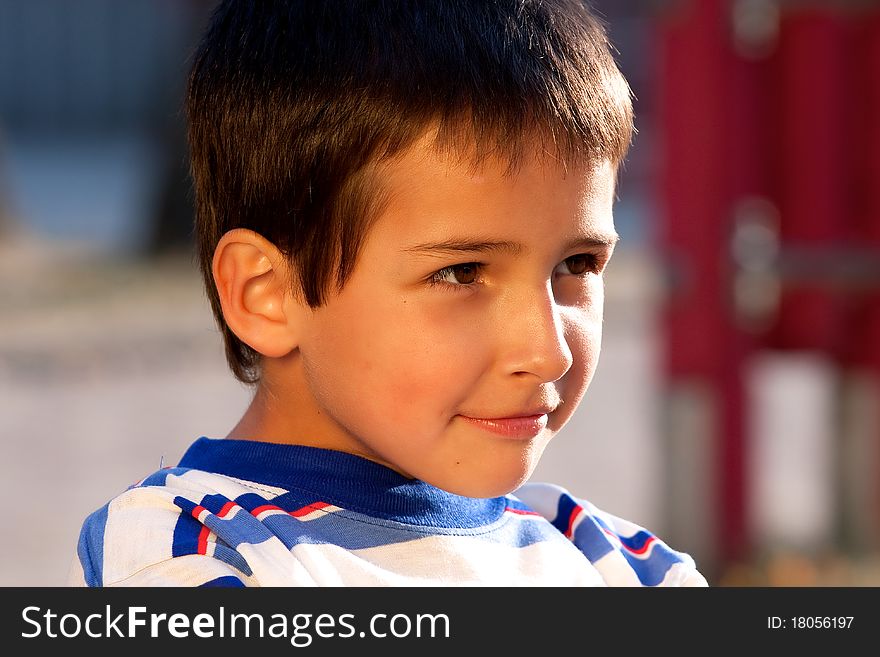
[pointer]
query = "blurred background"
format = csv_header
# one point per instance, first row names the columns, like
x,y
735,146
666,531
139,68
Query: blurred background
x,y
736,408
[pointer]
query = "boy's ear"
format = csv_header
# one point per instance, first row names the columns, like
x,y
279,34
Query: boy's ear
x,y
254,285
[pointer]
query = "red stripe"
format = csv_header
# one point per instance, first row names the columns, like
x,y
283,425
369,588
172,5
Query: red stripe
x,y
229,506
522,512
265,507
641,550
308,508
196,512
575,512
203,540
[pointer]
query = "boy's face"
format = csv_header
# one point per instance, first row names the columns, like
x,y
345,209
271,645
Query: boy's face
x,y
471,325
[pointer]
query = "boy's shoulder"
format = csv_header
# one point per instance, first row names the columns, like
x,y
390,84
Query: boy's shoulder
x,y
624,552
159,520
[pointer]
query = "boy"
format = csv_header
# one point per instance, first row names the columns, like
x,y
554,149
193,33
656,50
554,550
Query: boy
x,y
404,211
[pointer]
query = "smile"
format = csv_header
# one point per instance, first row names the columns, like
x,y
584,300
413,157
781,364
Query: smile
x,y
511,427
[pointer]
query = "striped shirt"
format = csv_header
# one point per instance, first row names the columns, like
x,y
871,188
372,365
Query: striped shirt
x,y
242,513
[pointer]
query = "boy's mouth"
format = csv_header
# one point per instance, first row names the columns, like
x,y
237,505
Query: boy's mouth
x,y
518,426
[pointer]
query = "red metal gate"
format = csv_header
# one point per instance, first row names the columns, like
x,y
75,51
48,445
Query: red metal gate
x,y
770,206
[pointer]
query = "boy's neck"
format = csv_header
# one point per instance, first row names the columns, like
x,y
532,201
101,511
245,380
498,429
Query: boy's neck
x,y
278,414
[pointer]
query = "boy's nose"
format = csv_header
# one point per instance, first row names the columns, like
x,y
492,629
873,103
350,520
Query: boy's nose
x,y
535,337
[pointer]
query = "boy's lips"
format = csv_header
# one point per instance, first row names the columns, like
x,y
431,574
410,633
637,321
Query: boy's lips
x,y
516,426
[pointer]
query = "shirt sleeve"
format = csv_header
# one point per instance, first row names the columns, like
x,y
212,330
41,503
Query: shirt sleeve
x,y
143,538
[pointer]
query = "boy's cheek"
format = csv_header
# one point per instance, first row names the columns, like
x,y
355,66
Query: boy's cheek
x,y
582,328
585,342
415,369
591,307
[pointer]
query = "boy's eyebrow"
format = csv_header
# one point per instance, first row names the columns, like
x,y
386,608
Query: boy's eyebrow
x,y
453,246
594,240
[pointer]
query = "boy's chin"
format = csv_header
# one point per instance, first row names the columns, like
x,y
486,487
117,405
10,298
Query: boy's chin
x,y
484,487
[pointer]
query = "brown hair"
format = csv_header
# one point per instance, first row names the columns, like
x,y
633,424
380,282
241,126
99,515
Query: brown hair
x,y
290,102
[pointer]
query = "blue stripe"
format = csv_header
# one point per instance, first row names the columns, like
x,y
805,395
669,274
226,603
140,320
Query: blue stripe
x,y
186,505
564,508
250,501
225,581
353,531
590,539
90,548
214,502
652,570
637,541
235,559
186,536
188,529
347,529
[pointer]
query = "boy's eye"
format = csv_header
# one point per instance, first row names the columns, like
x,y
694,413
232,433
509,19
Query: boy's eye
x,y
463,274
580,264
